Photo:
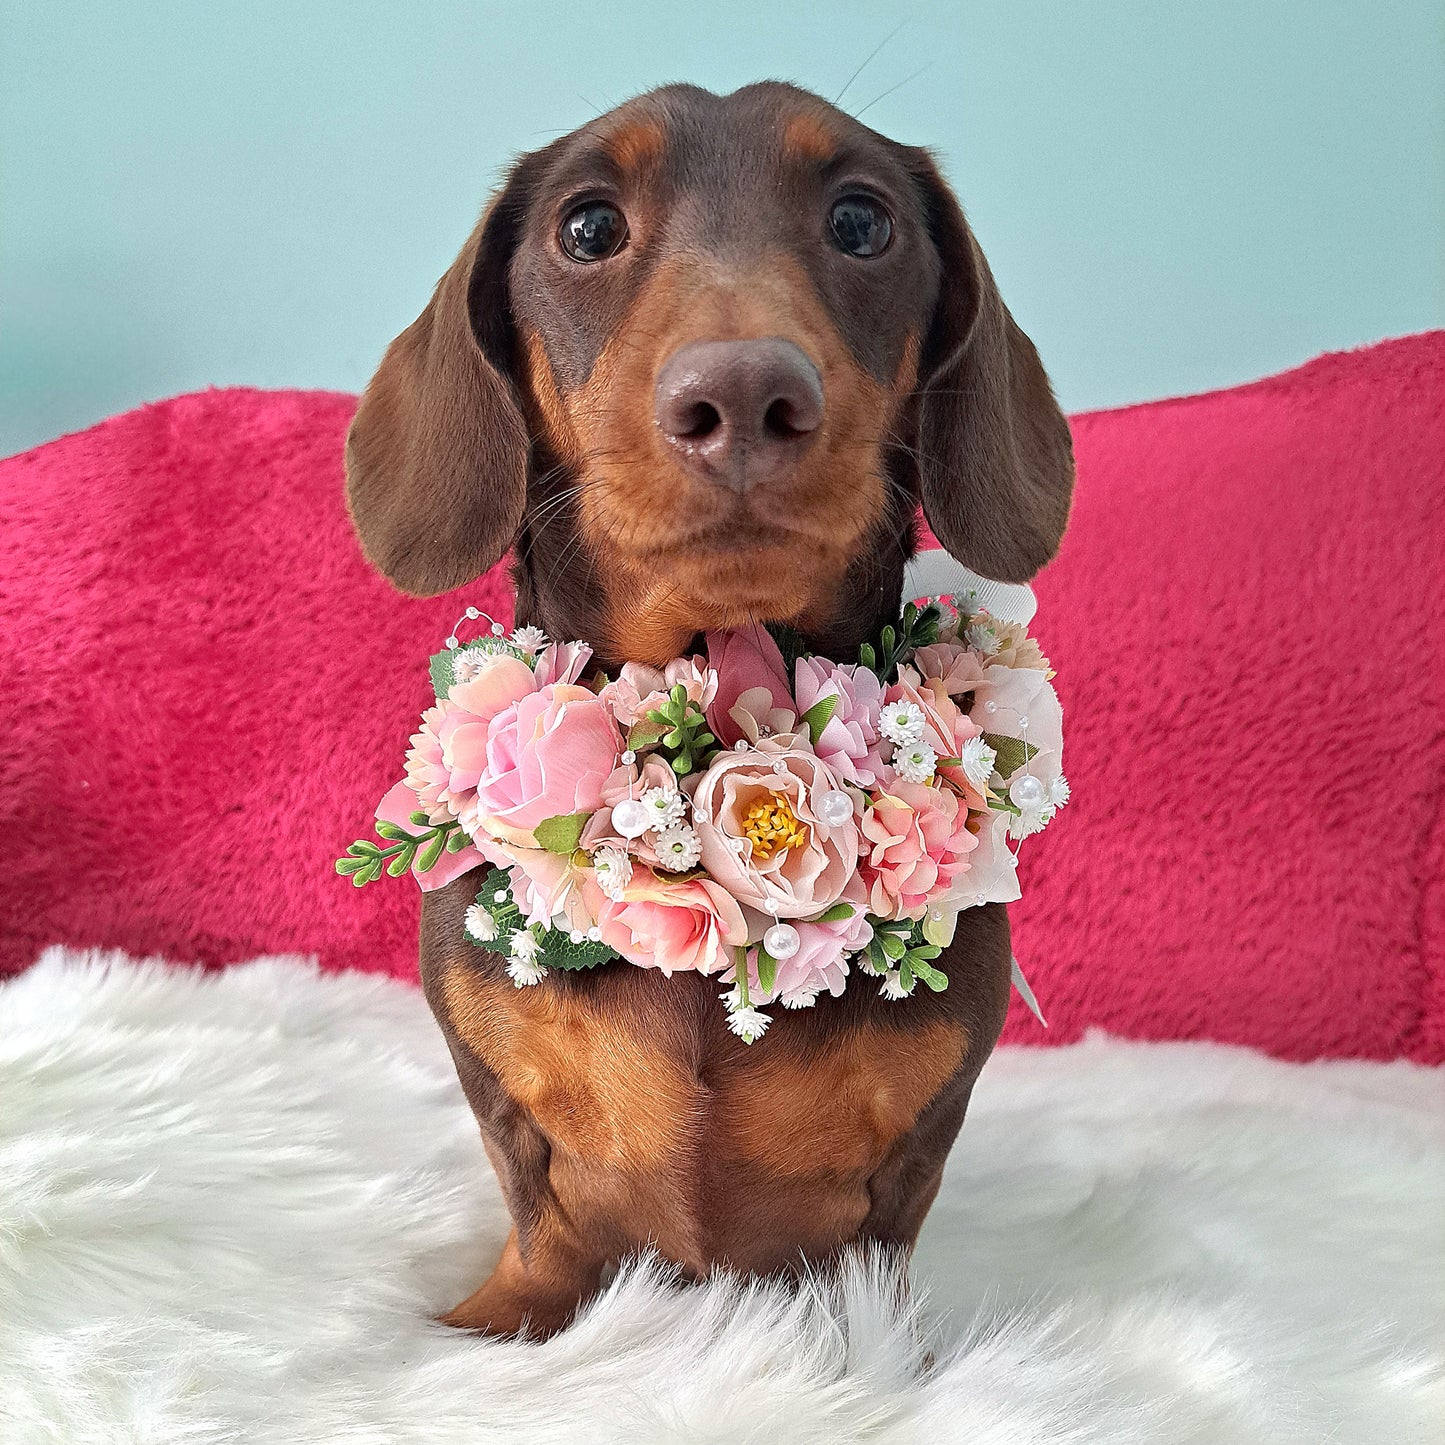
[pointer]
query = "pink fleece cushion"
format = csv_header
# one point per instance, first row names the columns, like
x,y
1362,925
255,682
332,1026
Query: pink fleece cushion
x,y
206,691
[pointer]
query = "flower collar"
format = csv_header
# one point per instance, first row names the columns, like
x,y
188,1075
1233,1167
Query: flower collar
x,y
784,823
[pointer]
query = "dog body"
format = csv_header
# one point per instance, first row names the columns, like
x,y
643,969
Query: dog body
x,y
698,364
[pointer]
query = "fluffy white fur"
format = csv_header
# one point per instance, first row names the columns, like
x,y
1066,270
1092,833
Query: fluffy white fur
x,y
231,1203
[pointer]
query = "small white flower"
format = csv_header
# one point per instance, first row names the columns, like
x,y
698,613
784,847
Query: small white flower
x,y
664,807
479,925
977,760
981,636
915,762
1030,821
1059,791
801,998
678,849
471,663
530,639
749,1024
613,869
525,972
966,603
892,986
901,722
525,945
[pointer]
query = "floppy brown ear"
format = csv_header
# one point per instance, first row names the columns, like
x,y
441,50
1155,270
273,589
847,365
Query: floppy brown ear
x,y
436,459
996,460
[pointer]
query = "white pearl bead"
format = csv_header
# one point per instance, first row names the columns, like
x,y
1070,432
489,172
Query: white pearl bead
x,y
576,935
473,613
741,746
835,807
990,706
452,644
594,934
781,940
1027,792
630,818
497,629
772,906
629,757
500,895
1023,722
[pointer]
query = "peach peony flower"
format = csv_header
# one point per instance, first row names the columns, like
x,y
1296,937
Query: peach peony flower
x,y
850,742
916,846
761,837
673,926
548,755
640,689
449,751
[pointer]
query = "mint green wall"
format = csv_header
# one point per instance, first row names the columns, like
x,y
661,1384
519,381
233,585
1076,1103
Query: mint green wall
x,y
1174,196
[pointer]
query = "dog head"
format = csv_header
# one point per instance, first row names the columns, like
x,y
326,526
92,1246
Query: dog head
x,y
699,361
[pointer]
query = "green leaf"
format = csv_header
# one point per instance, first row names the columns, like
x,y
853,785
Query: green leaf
x,y
932,977
399,864
767,970
442,674
392,832
558,951
836,914
562,833
905,976
868,657
456,841
420,820
348,865
1011,753
820,714
646,734
892,945
429,854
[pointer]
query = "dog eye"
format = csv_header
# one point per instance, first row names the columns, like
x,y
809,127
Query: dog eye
x,y
860,226
593,232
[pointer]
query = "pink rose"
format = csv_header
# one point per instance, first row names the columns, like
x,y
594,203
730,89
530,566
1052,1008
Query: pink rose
x,y
549,754
449,751
745,661
640,689
397,807
849,743
762,839
673,926
916,845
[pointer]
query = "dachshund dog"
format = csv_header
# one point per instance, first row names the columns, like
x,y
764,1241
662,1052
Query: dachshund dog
x,y
698,365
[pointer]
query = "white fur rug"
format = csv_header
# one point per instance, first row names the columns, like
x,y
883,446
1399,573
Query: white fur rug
x,y
230,1205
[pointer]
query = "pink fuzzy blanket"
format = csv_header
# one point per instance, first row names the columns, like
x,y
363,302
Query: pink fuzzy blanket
x,y
205,691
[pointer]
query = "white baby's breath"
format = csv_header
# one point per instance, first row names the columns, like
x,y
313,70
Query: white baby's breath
x,y
664,807
915,762
525,945
892,986
479,925
976,759
613,870
526,973
749,1024
530,639
901,722
678,848
1059,791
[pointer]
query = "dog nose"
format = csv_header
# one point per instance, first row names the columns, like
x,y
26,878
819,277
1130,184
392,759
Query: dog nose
x,y
739,412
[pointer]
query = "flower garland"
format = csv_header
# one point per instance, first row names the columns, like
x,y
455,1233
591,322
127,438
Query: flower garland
x,y
770,818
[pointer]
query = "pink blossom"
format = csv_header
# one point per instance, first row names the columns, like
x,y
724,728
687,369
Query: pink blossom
x,y
449,750
802,869
745,660
673,926
821,962
916,846
640,689
850,742
562,662
551,889
629,781
397,807
956,667
548,755
946,728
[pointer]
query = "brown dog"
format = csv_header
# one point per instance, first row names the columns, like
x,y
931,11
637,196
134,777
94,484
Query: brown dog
x,y
698,364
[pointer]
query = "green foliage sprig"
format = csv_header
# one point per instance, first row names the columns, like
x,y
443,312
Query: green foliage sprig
x,y
678,730
916,628
364,860
555,948
899,944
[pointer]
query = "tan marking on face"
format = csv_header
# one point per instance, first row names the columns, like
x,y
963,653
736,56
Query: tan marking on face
x,y
546,413
636,145
595,1087
650,521
808,138
840,1111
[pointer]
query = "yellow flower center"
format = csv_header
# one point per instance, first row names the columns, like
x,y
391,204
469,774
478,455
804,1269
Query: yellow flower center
x,y
771,825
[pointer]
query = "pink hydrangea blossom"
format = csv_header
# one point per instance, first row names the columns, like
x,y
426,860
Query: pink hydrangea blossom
x,y
548,755
849,743
639,689
916,847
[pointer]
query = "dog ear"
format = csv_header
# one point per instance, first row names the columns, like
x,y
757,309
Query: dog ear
x,y
996,460
436,458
